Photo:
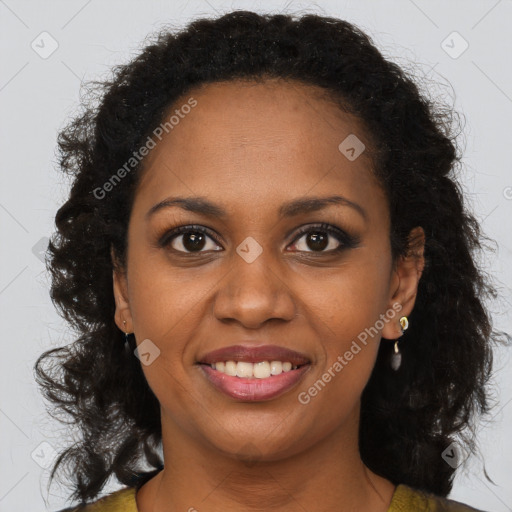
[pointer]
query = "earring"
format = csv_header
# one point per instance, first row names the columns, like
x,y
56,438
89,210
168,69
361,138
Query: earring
x,y
126,340
396,358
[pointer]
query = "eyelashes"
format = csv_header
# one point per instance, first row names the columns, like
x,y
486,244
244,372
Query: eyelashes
x,y
344,240
169,236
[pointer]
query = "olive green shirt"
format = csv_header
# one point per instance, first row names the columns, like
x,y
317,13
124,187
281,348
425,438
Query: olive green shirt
x,y
405,499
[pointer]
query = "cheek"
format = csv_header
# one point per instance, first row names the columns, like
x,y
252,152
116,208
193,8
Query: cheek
x,y
350,298
165,307
165,300
346,310
347,353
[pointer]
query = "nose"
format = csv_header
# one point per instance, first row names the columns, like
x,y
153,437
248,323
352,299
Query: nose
x,y
253,293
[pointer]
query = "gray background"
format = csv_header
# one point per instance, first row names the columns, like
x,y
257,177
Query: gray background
x,y
37,96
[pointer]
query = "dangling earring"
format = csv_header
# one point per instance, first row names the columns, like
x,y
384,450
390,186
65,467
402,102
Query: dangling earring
x,y
126,340
396,358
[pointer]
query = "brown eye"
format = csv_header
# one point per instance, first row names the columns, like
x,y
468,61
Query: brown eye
x,y
318,241
323,238
189,239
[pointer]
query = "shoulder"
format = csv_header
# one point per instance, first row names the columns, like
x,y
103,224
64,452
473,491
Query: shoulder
x,y
407,499
119,501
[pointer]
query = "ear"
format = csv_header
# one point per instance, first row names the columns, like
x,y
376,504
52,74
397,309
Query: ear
x,y
404,282
123,313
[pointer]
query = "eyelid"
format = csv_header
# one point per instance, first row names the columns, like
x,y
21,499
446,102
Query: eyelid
x,y
172,233
345,239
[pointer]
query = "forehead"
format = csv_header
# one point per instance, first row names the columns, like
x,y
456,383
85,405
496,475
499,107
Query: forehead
x,y
254,140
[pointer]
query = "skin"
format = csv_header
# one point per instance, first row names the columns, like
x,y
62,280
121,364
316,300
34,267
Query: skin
x,y
250,147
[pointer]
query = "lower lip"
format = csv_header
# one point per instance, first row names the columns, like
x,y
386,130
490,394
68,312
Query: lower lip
x,y
252,389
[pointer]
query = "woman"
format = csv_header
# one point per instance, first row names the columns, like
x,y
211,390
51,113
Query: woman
x,y
273,272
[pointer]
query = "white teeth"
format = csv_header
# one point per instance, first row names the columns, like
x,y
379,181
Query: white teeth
x,y
259,370
287,366
276,367
229,369
243,369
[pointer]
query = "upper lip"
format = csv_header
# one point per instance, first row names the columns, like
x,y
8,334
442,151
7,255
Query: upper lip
x,y
254,354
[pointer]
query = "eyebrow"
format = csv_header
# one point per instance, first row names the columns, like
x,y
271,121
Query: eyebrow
x,y
292,208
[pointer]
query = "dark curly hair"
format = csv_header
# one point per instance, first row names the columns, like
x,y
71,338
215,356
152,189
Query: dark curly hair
x,y
408,417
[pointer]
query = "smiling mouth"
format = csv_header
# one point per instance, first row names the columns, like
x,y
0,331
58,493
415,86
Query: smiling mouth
x,y
252,372
250,388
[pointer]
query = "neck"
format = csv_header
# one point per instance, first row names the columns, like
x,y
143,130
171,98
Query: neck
x,y
327,476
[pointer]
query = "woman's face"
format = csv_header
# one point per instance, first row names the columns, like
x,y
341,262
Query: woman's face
x,y
251,149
